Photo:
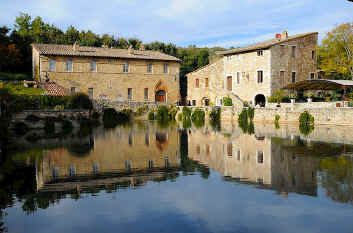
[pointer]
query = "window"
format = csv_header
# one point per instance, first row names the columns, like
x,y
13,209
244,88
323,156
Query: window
x,y
130,139
193,102
150,164
146,93
238,77
93,66
230,149
126,67
229,83
198,149
313,54
207,149
128,164
73,90
90,93
206,82
95,168
52,65
281,77
260,53
293,77
55,172
166,162
260,157
293,51
282,50
238,154
312,75
229,57
147,139
166,68
72,171
69,66
260,76
129,93
197,83
149,68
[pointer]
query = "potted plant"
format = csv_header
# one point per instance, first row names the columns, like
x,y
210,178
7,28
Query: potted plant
x,y
309,95
245,103
292,97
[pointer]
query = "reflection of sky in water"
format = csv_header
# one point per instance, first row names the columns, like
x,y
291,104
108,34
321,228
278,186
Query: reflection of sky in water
x,y
191,204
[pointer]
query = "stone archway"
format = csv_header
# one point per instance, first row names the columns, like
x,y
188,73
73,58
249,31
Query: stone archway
x,y
161,92
260,99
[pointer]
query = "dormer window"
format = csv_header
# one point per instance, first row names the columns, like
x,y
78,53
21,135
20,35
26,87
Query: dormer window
x,y
260,53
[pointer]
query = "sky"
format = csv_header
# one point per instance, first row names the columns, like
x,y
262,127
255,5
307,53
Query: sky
x,y
204,23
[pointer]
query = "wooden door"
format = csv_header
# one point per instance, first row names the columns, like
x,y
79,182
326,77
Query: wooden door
x,y
229,83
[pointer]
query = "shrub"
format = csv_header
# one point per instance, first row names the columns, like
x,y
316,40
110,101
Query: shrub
x,y
306,118
172,112
215,115
186,112
277,97
180,117
95,115
80,101
251,113
277,117
151,116
162,113
32,118
59,107
227,101
186,123
198,115
243,116
66,126
141,110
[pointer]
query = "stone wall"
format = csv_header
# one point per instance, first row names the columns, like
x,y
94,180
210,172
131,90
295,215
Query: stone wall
x,y
109,80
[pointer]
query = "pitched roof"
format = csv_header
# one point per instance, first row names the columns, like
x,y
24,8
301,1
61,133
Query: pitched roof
x,y
263,45
84,51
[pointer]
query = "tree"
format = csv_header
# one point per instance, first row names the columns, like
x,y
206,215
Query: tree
x,y
336,52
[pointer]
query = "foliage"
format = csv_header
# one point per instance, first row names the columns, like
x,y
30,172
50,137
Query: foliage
x,y
251,113
309,94
186,112
14,76
180,117
20,128
277,117
227,101
49,126
293,95
336,52
172,111
277,97
198,118
80,101
151,116
186,123
111,117
66,126
141,110
20,89
95,115
162,114
306,123
215,115
306,129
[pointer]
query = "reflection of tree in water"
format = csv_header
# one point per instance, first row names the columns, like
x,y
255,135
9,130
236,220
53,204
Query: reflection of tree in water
x,y
82,148
187,165
337,178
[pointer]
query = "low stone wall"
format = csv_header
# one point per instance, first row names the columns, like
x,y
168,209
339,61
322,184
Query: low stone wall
x,y
70,114
323,116
309,105
99,105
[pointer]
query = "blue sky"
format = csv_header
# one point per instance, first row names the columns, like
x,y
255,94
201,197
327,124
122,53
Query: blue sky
x,y
183,22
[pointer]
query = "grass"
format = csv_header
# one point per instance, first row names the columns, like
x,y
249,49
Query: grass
x,y
20,89
14,76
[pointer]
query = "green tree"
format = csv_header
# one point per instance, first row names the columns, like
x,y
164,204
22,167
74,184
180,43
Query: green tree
x,y
336,52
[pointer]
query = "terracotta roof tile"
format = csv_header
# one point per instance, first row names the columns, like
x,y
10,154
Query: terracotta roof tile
x,y
84,51
263,45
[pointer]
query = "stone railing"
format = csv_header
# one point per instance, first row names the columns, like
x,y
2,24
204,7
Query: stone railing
x,y
336,104
99,105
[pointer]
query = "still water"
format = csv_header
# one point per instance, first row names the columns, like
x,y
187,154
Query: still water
x,y
147,178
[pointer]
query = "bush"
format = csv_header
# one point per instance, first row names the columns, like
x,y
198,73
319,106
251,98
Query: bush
x,y
151,116
141,110
215,115
277,97
111,117
162,113
277,117
20,128
66,126
172,112
227,101
95,115
180,117
186,112
80,101
251,113
306,118
49,126
198,115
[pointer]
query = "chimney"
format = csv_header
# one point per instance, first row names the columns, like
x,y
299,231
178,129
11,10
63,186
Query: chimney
x,y
278,36
131,50
75,46
284,35
142,48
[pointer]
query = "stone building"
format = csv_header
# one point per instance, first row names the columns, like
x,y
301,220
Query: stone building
x,y
254,72
108,73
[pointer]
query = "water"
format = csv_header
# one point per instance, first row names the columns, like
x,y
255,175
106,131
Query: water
x,y
146,178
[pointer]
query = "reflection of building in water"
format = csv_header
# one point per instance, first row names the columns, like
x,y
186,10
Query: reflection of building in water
x,y
254,160
132,155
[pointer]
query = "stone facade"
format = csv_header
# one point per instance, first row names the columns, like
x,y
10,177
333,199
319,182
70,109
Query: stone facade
x,y
253,73
109,80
